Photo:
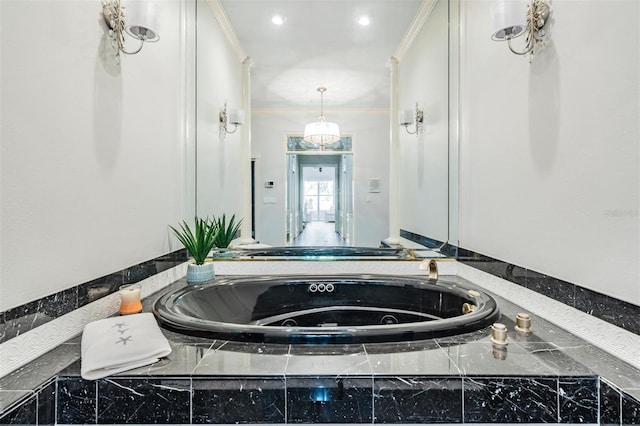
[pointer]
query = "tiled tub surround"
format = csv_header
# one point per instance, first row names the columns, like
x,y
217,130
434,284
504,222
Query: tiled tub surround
x,y
622,314
614,311
28,345
22,319
547,376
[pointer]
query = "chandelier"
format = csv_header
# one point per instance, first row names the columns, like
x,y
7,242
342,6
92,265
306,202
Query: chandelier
x,y
321,132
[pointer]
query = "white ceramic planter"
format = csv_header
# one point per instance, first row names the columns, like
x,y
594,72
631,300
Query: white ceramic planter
x,y
200,273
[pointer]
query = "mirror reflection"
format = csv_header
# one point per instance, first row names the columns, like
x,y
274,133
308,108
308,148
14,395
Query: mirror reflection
x,y
388,181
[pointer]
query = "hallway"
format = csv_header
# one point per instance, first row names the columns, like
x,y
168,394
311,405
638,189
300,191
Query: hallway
x,y
319,234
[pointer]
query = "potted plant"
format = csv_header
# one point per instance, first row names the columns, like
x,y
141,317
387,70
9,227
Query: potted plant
x,y
226,231
198,243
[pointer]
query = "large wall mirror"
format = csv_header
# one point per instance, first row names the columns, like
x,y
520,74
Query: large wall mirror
x,y
393,182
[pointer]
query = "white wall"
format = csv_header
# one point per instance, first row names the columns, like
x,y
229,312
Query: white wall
x,y
93,154
550,150
423,180
219,80
370,130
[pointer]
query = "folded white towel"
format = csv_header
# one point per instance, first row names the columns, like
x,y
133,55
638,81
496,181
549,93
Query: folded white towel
x,y
118,344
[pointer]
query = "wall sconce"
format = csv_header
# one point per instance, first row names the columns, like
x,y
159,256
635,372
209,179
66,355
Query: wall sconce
x,y
143,23
231,116
513,18
407,117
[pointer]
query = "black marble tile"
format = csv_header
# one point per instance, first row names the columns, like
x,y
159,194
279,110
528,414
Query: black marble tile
x,y
250,347
176,337
37,373
554,288
139,272
225,358
99,287
417,400
544,331
9,399
239,400
616,371
59,304
76,401
630,410
329,400
591,302
610,404
3,329
485,359
159,401
40,371
482,335
170,260
554,357
418,358
47,404
328,360
510,400
614,311
23,318
633,392
34,314
420,239
498,268
25,413
449,250
578,401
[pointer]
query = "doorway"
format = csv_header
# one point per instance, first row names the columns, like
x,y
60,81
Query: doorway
x,y
319,194
319,199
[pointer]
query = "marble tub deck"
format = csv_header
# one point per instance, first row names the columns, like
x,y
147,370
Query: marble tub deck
x,y
546,376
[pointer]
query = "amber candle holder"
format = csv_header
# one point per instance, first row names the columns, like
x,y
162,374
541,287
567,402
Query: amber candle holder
x,y
130,302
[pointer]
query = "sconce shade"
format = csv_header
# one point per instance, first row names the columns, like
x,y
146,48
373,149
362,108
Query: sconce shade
x,y
142,20
509,19
321,132
229,116
405,118
236,116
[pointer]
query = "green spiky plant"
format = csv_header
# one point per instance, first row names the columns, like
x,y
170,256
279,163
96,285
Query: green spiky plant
x,y
226,231
200,241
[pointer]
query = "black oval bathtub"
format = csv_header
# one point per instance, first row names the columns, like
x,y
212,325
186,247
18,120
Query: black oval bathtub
x,y
321,253
326,309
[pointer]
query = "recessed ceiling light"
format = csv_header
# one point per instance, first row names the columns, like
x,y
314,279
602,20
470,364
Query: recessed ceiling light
x,y
278,19
364,21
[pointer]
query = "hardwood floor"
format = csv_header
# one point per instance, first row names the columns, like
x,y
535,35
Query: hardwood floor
x,y
319,234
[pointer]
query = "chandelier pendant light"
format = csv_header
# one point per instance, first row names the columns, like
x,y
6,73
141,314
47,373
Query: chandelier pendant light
x,y
321,132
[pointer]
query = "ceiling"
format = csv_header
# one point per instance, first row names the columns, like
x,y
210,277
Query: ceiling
x,y
320,44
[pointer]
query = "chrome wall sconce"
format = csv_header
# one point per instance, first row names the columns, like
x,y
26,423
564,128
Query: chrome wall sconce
x,y
142,23
513,18
230,116
407,118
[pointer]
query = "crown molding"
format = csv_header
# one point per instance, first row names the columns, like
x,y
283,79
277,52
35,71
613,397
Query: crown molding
x,y
414,29
225,25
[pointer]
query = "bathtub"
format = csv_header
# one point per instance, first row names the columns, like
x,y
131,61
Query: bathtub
x,y
330,253
326,309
